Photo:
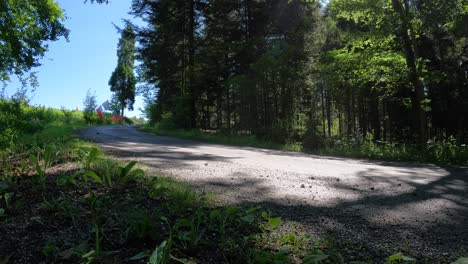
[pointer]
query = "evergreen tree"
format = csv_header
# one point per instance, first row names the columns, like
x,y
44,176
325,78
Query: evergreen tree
x,y
123,81
89,106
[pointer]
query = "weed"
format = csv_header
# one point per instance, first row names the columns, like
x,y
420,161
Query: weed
x,y
65,179
399,258
127,171
49,249
162,253
61,207
190,232
41,169
140,225
91,157
106,171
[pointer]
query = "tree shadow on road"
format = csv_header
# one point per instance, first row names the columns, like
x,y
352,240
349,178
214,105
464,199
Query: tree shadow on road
x,y
428,222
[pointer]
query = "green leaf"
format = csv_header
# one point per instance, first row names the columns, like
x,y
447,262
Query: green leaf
x,y
127,169
47,157
4,187
248,218
461,261
161,254
215,214
399,257
140,255
138,172
314,259
94,176
274,222
35,161
89,254
91,157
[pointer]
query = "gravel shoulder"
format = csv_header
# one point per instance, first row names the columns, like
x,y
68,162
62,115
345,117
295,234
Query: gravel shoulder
x,y
371,208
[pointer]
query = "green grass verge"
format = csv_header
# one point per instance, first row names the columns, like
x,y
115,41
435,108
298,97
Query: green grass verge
x,y
219,138
442,153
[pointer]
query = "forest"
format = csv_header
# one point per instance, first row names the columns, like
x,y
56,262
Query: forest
x,y
308,71
375,80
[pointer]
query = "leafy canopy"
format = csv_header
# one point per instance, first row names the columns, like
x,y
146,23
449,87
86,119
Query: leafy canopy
x,y
25,28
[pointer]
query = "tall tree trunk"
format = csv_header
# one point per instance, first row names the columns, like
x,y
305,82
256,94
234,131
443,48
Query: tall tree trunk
x,y
191,59
329,117
228,107
349,117
323,110
375,118
406,35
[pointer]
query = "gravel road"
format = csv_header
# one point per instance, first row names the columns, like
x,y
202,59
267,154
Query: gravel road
x,y
372,208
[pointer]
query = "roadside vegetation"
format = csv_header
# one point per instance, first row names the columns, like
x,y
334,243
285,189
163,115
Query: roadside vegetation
x,y
63,200
445,152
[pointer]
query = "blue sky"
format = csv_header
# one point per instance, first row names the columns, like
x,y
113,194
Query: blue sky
x,y
69,69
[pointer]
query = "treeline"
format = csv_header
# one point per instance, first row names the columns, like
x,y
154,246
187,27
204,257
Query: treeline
x,y
292,70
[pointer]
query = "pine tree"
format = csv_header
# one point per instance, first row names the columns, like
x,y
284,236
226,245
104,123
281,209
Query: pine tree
x,y
123,81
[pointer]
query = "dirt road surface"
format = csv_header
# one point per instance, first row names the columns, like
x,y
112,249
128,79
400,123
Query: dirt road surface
x,y
370,208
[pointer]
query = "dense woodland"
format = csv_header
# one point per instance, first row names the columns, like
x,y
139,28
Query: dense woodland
x,y
389,71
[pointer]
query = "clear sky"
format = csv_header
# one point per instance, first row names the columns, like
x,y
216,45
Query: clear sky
x,y
69,69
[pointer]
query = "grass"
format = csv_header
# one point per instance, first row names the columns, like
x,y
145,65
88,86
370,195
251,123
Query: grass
x,y
444,153
219,138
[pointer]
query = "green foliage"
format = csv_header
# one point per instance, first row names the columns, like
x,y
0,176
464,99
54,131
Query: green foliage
x,y
399,258
89,107
91,157
141,225
122,81
18,119
61,207
445,152
41,167
6,197
314,259
461,261
126,172
161,255
25,27
107,171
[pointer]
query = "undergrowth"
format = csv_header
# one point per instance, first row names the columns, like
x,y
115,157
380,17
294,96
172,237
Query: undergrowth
x,y
444,152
